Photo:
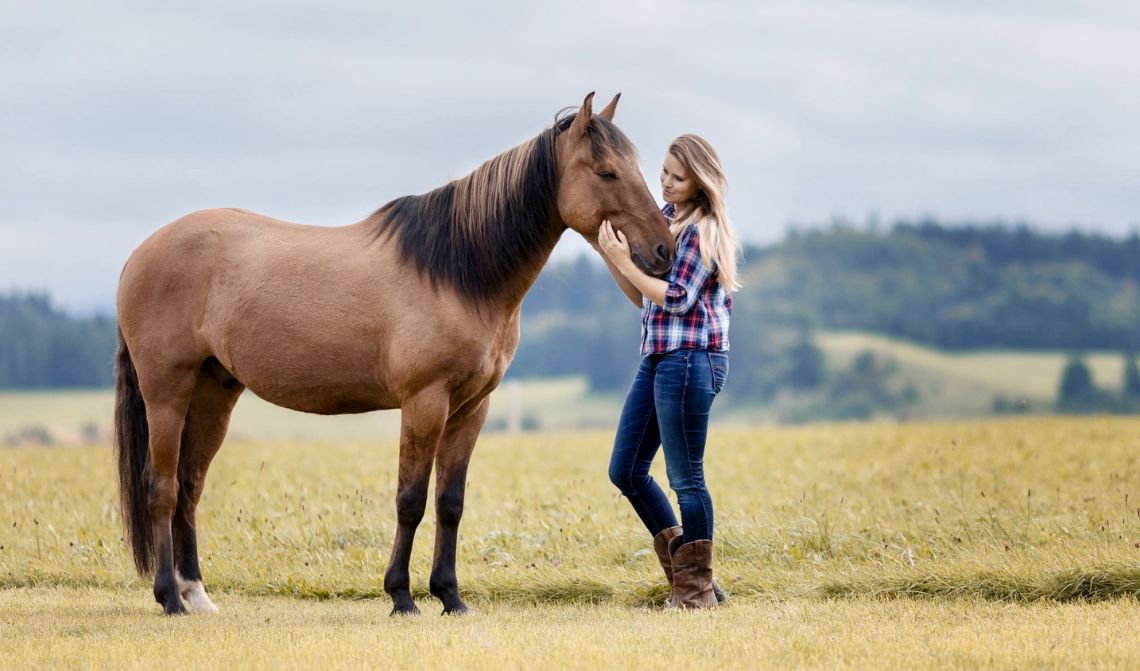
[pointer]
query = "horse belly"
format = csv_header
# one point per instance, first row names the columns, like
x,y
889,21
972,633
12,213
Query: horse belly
x,y
325,400
322,380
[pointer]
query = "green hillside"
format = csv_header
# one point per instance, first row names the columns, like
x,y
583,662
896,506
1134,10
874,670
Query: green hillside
x,y
956,384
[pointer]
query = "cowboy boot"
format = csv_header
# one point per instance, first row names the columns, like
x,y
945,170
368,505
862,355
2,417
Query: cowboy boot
x,y
664,547
692,576
661,547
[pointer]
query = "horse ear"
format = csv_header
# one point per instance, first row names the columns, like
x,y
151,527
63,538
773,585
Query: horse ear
x,y
608,112
582,118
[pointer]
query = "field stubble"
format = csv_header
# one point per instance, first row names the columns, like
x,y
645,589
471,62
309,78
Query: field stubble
x,y
51,627
1020,509
967,517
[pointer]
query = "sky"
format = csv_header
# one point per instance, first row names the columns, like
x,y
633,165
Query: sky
x,y
118,117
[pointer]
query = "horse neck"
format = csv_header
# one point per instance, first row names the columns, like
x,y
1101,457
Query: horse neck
x,y
526,273
520,180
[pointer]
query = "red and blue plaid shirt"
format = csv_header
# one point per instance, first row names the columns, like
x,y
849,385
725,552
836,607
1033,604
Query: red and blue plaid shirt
x,y
697,307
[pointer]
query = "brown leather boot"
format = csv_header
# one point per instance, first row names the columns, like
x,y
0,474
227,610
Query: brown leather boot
x,y
661,547
665,543
692,576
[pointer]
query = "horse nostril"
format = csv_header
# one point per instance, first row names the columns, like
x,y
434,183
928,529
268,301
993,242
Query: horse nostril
x,y
663,253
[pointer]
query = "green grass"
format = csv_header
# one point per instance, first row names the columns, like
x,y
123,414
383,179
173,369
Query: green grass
x,y
953,384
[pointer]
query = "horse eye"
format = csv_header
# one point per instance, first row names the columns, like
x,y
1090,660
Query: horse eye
x,y
608,176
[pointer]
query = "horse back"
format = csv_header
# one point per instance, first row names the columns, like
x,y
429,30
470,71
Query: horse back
x,y
317,319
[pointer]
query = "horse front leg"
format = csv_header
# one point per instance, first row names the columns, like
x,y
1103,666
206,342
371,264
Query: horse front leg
x,y
450,484
422,420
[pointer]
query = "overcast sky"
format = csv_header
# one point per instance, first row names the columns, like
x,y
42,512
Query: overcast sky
x,y
118,117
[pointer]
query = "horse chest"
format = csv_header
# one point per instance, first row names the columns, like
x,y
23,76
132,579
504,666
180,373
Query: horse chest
x,y
495,352
484,359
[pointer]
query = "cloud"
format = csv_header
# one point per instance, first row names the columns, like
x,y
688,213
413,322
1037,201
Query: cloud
x,y
120,116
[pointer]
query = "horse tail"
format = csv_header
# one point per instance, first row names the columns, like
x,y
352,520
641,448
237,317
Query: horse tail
x,y
132,445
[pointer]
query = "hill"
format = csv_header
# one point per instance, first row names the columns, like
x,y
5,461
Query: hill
x,y
965,384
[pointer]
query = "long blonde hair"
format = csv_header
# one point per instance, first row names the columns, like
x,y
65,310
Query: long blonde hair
x,y
717,239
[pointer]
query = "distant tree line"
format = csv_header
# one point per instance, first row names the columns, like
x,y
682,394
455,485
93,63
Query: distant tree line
x,y
962,287
42,347
955,287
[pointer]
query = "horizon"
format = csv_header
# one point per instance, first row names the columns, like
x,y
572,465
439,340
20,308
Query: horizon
x,y
869,225
124,116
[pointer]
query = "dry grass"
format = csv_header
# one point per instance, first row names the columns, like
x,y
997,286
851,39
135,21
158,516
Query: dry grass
x,y
99,628
1008,532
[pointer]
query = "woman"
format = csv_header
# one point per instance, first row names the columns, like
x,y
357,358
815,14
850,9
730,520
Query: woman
x,y
684,345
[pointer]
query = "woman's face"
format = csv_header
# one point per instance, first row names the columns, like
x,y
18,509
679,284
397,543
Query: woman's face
x,y
677,186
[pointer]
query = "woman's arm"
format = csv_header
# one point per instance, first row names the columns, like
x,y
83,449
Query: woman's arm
x,y
615,250
626,287
686,278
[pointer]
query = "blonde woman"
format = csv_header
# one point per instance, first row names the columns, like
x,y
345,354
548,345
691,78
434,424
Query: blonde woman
x,y
684,365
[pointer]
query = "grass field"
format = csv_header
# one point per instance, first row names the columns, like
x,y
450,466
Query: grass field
x,y
558,404
99,628
964,384
949,385
1004,543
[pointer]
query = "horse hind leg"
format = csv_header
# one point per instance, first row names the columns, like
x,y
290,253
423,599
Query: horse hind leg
x,y
451,462
202,435
167,397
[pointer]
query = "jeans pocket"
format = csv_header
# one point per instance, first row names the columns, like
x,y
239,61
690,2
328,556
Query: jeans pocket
x,y
718,363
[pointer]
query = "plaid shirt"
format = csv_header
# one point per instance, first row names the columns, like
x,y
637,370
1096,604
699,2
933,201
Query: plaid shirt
x,y
697,307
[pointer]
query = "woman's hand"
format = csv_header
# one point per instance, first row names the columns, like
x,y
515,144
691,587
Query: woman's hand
x,y
614,246
627,287
615,250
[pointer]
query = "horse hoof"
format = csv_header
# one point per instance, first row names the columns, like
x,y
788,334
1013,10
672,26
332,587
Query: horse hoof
x,y
461,609
174,608
404,610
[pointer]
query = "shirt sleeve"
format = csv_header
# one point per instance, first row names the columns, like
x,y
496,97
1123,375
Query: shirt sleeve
x,y
687,276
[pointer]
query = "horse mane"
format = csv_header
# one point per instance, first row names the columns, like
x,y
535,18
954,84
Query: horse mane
x,y
477,234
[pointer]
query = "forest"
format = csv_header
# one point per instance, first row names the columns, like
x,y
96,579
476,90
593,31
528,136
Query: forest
x,y
960,286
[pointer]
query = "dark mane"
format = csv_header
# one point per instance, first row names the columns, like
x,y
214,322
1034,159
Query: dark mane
x,y
475,234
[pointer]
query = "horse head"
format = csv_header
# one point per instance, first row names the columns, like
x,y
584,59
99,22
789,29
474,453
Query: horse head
x,y
598,179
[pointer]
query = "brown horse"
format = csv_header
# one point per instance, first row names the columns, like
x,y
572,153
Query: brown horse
x,y
415,307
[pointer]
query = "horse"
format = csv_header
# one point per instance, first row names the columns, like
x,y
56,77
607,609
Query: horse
x,y
415,307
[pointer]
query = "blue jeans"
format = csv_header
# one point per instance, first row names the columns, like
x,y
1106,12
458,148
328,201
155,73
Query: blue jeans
x,y
668,405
